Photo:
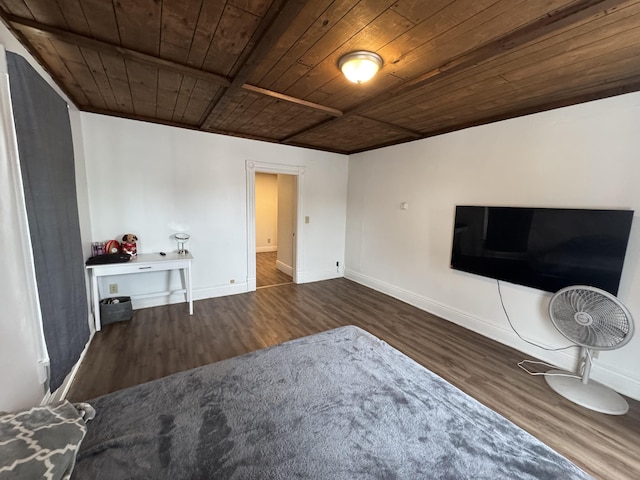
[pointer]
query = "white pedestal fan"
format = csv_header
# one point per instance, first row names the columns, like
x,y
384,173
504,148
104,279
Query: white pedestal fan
x,y
595,320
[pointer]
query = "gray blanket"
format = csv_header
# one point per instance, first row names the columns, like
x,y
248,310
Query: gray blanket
x,y
341,404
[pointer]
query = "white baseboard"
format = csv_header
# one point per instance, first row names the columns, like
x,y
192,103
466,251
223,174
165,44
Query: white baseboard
x,y
606,375
317,276
268,248
284,268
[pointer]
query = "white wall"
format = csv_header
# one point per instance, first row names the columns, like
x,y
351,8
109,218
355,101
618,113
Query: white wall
x,y
155,180
21,343
580,156
266,212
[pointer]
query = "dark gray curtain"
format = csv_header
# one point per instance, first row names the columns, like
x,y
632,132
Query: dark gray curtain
x,y
47,163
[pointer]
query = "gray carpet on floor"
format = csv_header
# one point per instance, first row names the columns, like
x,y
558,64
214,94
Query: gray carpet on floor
x,y
341,404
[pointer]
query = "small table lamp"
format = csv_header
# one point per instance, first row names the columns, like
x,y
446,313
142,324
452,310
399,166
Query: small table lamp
x,y
182,239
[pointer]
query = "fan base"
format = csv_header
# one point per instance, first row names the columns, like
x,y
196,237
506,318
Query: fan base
x,y
591,395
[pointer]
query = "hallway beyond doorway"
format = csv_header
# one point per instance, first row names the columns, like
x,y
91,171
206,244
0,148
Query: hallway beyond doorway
x,y
267,275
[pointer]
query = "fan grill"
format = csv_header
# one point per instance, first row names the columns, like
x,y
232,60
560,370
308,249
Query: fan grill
x,y
591,318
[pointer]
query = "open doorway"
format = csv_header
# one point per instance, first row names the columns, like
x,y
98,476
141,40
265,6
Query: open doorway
x,y
283,240
275,215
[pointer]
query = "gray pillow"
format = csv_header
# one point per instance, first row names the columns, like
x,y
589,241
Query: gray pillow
x,y
42,442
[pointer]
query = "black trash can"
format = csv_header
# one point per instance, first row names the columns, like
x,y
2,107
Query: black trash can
x,y
115,309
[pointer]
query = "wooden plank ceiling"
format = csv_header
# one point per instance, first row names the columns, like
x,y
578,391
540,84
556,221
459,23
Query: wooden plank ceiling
x,y
267,69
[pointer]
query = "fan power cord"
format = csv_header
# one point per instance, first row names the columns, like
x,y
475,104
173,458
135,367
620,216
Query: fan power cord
x,y
506,314
523,363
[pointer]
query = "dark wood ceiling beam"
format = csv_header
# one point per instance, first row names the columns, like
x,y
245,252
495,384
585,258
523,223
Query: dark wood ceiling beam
x,y
553,21
280,16
29,27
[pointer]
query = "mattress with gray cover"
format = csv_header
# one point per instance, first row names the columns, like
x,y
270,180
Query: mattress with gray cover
x,y
341,404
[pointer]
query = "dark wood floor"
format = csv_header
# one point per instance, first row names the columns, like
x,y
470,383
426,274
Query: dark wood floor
x,y
267,274
163,340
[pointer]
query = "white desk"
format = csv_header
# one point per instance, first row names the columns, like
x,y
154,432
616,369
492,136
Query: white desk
x,y
143,262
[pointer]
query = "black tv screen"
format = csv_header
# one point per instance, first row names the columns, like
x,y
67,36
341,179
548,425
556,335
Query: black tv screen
x,y
543,248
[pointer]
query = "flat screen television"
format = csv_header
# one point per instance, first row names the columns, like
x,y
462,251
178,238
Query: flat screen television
x,y
543,248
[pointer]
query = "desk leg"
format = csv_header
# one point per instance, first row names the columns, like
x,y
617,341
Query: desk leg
x,y
188,286
96,301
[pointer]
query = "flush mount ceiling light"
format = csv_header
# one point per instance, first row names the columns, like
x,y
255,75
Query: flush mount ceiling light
x,y
360,66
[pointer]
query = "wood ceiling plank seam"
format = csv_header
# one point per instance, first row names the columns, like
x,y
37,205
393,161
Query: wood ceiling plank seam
x,y
76,64
544,91
95,66
436,44
255,7
349,95
542,26
445,45
417,12
373,36
233,107
74,16
480,28
286,114
628,85
290,40
278,21
264,115
103,21
143,81
252,108
17,7
204,32
186,87
139,25
392,126
304,94
47,12
178,21
73,91
575,54
533,50
322,57
235,37
531,54
169,84
73,38
395,52
356,20
330,16
198,101
119,81
566,79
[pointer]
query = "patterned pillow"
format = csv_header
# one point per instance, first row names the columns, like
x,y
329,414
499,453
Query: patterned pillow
x,y
42,442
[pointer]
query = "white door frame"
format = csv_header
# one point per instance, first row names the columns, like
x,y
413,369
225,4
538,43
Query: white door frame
x,y
252,168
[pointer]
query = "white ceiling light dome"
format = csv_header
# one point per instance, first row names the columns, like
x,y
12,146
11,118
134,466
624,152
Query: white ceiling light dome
x,y
360,66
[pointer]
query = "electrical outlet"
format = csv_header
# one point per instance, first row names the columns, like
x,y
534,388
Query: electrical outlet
x,y
113,288
268,240
337,264
232,281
